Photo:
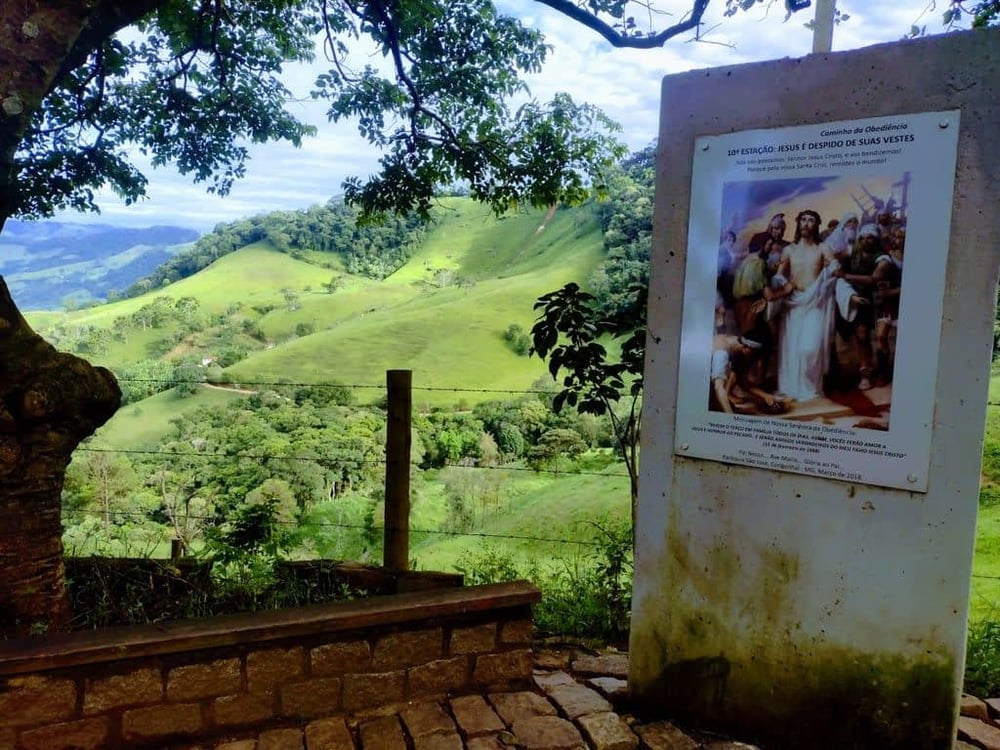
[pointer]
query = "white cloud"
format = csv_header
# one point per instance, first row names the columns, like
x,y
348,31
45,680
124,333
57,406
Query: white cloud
x,y
624,83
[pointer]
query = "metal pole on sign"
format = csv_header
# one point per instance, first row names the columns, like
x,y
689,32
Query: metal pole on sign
x,y
823,25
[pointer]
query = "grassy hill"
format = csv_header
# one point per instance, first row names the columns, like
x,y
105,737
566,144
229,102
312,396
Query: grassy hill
x,y
442,315
140,426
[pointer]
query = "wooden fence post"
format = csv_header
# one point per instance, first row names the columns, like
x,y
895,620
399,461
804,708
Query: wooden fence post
x,y
396,546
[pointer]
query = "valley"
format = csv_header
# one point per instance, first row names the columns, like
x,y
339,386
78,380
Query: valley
x,y
259,325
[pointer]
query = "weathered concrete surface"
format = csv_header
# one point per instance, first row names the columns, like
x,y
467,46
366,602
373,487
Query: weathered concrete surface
x,y
796,610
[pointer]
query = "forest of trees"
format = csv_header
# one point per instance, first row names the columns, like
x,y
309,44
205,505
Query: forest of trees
x,y
300,446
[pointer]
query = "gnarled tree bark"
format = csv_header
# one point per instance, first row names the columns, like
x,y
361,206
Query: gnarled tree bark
x,y
49,402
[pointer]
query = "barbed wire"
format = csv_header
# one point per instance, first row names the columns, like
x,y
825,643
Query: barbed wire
x,y
349,526
233,385
238,454
176,381
320,459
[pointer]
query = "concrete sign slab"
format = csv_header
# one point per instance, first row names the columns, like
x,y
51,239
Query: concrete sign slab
x,y
816,595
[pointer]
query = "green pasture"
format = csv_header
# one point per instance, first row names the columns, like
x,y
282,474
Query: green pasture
x,y
537,524
985,604
43,318
254,275
569,503
451,336
141,425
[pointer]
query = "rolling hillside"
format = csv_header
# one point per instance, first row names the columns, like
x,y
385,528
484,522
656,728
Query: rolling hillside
x,y
442,315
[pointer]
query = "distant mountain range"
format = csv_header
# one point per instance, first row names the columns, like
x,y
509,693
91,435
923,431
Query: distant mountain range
x,y
49,265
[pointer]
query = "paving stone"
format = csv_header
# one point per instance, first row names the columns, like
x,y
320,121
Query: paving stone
x,y
608,731
547,733
426,718
238,745
514,706
979,733
438,741
578,700
973,707
475,716
611,688
610,665
328,734
959,745
994,706
548,680
662,735
383,733
280,739
548,658
493,742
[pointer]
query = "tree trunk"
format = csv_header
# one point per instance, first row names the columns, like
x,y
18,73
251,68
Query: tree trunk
x,y
49,402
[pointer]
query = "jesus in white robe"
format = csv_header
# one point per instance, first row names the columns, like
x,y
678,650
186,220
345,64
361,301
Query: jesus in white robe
x,y
805,332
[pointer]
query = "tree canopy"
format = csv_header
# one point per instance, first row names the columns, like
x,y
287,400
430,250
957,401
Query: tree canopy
x,y
193,82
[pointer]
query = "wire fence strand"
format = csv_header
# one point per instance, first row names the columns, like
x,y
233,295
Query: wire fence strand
x,y
339,452
234,384
348,458
356,527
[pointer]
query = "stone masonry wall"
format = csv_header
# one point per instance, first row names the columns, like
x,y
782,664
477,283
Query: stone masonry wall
x,y
266,671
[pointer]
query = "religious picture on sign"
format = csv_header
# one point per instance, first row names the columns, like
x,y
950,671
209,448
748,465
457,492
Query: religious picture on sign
x,y
807,307
807,344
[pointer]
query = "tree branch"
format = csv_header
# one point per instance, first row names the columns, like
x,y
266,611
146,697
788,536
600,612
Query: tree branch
x,y
621,39
107,19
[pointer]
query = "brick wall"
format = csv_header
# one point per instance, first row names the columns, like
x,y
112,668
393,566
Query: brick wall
x,y
185,682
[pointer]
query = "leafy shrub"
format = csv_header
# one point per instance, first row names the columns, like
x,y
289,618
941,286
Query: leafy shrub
x,y
989,494
982,659
519,341
584,596
488,565
459,515
230,355
329,394
215,374
509,440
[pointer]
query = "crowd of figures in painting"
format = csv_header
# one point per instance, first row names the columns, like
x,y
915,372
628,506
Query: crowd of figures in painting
x,y
810,319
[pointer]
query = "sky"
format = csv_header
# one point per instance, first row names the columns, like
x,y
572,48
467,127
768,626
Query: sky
x,y
623,83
